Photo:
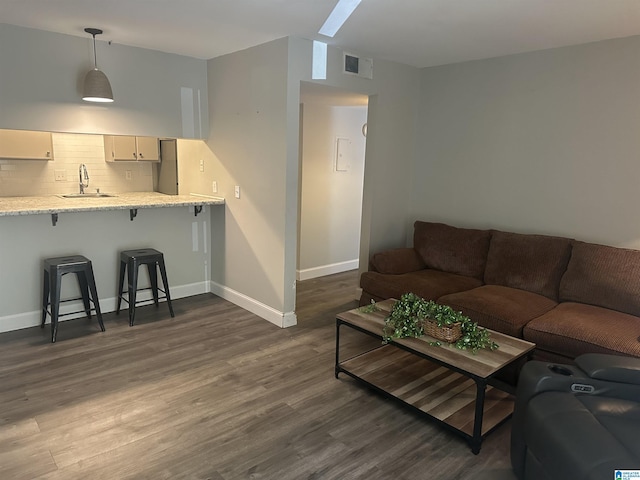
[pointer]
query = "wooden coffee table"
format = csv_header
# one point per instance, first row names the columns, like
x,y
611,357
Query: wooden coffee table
x,y
453,386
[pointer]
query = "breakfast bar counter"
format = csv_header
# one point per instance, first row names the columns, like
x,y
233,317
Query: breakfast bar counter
x,y
99,228
53,204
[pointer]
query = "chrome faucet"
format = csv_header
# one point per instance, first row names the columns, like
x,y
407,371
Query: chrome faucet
x,y
83,170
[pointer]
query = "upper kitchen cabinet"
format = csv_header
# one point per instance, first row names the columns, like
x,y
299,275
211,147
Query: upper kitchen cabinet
x,y
148,148
124,148
26,145
120,148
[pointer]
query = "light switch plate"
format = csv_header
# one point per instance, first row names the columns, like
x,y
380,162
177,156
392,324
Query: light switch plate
x,y
236,191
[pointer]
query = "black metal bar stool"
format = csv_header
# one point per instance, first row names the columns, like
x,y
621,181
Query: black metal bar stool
x,y
54,269
130,260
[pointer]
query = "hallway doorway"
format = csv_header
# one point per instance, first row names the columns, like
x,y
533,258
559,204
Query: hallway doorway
x,y
332,154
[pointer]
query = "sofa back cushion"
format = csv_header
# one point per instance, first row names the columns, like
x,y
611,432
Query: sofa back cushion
x,y
450,249
604,276
534,263
396,261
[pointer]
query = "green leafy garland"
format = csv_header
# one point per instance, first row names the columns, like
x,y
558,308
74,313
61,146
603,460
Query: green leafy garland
x,y
406,319
372,307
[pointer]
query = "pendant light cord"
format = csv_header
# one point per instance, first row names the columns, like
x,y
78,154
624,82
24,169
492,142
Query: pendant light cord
x,y
93,32
95,58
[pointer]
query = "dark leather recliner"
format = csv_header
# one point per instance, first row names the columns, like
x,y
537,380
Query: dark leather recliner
x,y
579,421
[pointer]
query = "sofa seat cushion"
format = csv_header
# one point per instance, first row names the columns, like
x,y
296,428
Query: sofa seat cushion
x,y
603,276
529,262
575,328
586,437
429,284
462,251
504,309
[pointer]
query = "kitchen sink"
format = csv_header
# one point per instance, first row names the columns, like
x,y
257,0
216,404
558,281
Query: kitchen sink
x,y
86,195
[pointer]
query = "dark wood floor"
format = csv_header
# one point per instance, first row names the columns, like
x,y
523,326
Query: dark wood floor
x,y
214,393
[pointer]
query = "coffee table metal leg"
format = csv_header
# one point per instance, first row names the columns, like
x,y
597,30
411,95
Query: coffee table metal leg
x,y
337,368
476,440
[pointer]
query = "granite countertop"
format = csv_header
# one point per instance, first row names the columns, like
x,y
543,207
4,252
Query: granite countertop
x,y
121,201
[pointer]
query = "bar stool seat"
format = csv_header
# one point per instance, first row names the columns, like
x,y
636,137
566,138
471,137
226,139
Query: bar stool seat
x,y
54,269
130,261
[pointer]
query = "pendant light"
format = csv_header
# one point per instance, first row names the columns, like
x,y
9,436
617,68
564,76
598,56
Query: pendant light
x,y
96,83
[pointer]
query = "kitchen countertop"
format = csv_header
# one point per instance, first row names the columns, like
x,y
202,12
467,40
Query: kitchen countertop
x,y
10,206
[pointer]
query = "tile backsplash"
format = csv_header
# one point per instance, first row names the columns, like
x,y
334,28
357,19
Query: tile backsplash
x,y
19,178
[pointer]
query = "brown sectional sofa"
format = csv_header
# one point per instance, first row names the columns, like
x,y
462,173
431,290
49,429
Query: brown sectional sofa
x,y
568,297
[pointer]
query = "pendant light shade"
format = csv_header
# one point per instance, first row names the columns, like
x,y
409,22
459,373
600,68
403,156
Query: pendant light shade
x,y
96,84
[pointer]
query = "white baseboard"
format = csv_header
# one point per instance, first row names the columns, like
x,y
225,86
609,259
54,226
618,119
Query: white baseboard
x,y
325,270
19,321
281,319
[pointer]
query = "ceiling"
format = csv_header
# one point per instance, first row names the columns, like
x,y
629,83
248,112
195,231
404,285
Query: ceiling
x,y
414,32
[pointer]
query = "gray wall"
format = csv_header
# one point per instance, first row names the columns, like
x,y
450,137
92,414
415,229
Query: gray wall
x,y
41,79
248,138
545,142
254,98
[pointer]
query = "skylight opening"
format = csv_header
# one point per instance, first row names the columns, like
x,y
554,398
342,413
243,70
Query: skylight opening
x,y
319,63
339,15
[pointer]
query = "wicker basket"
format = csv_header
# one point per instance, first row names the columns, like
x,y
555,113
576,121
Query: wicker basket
x,y
449,334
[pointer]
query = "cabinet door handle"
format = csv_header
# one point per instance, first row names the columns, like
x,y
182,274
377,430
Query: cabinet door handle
x,y
134,155
141,156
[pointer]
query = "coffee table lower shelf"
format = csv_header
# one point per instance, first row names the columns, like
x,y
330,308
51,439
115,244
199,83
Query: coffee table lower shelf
x,y
430,389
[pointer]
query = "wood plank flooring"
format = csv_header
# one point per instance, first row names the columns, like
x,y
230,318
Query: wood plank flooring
x,y
215,393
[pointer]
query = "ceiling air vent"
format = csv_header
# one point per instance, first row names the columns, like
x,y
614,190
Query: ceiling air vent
x,y
353,65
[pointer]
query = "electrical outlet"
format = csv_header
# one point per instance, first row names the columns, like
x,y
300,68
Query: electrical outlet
x,y
202,164
128,175
214,186
61,175
236,191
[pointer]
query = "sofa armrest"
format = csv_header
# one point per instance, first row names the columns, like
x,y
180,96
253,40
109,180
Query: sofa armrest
x,y
611,368
397,261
